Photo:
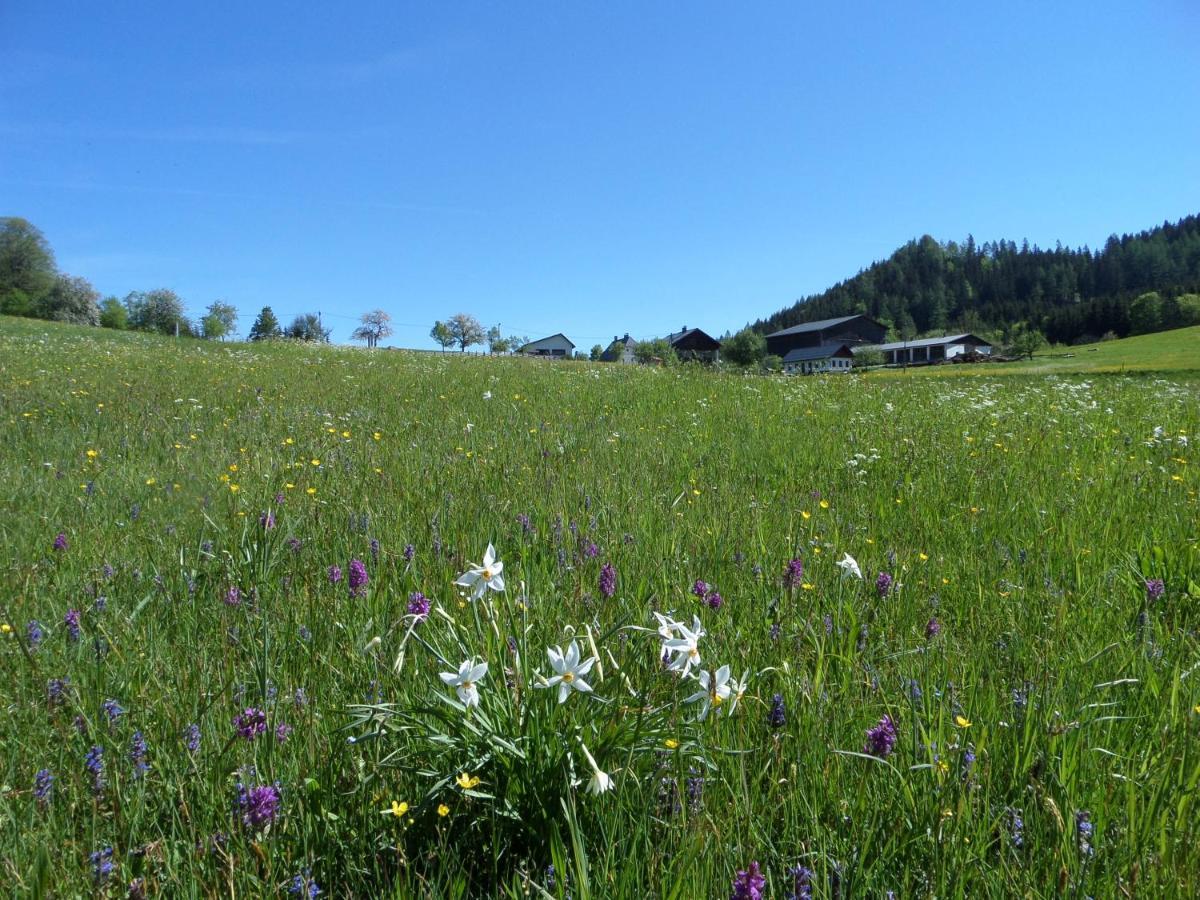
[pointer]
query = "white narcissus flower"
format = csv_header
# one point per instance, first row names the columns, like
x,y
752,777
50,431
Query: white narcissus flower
x,y
686,647
736,690
849,566
666,626
568,671
600,781
481,579
714,690
465,682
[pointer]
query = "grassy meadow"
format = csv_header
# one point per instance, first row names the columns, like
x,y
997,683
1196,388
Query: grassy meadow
x,y
1172,351
227,595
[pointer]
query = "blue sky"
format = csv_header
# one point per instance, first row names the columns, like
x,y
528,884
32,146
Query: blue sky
x,y
579,167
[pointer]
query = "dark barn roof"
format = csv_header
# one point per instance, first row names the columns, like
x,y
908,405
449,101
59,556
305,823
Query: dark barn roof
x,y
819,325
693,339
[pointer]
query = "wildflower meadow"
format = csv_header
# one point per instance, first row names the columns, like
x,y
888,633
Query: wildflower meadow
x,y
292,621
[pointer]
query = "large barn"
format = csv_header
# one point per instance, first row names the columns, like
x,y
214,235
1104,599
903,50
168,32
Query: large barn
x,y
849,330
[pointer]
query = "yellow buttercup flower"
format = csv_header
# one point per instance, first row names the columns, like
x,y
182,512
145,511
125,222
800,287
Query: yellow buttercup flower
x,y
466,782
669,743
962,721
443,810
399,808
824,504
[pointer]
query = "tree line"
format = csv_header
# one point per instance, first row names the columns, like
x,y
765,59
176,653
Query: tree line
x,y
1138,283
31,285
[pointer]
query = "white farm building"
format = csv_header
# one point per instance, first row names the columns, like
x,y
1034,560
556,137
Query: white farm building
x,y
558,346
934,349
811,360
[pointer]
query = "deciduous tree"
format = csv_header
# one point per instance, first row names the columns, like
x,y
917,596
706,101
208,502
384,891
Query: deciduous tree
x,y
113,314
496,342
220,320
441,334
308,327
71,299
27,269
746,348
466,330
159,310
375,326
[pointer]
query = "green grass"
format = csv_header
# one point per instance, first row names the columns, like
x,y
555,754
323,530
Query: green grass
x,y
1176,351
1023,513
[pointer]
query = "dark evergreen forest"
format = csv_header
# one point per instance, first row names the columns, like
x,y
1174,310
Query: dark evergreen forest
x,y
1070,295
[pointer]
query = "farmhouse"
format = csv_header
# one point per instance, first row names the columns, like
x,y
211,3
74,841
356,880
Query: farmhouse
x,y
810,360
692,343
934,349
557,345
620,350
849,330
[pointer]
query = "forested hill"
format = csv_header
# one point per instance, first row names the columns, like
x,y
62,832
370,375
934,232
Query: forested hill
x,y
1068,294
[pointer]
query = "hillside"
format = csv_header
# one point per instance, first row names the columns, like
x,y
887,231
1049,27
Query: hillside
x,y
1071,295
1176,352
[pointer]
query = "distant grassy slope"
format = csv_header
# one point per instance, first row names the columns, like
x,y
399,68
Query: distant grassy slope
x,y
1166,351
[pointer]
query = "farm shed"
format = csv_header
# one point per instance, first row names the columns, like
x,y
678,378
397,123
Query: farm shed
x,y
810,360
849,330
557,345
934,349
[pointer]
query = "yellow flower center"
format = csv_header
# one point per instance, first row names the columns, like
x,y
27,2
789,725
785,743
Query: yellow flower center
x,y
487,574
716,699
568,677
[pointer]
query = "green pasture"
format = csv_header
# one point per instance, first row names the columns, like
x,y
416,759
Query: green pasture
x,y
1045,696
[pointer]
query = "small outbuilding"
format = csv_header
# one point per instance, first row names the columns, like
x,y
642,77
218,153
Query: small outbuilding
x,y
930,350
811,360
558,346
